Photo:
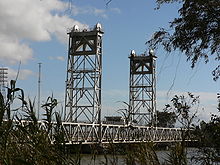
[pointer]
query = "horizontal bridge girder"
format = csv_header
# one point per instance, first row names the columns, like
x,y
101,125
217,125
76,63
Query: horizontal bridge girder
x,y
84,133
89,133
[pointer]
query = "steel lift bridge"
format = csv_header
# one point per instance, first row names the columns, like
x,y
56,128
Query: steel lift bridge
x,y
83,96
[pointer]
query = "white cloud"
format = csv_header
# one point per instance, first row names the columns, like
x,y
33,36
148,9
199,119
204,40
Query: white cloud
x,y
89,10
208,102
100,12
205,97
93,11
13,51
59,58
116,10
23,74
30,20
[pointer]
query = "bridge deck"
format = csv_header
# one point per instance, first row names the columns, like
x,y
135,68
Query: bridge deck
x,y
84,133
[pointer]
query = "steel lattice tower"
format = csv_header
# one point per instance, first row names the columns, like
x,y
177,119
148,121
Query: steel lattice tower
x,y
84,72
142,94
3,81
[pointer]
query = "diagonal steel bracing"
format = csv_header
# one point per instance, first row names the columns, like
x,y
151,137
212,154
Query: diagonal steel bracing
x,y
142,94
84,72
84,133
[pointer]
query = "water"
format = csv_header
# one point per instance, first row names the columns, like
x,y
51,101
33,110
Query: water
x,y
88,159
101,160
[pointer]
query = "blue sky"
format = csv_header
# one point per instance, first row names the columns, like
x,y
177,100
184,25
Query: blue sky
x,y
34,31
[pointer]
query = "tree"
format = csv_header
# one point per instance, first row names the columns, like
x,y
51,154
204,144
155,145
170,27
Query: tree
x,y
196,32
166,119
208,136
185,109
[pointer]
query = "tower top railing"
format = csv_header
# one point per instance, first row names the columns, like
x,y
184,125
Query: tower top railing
x,y
98,27
150,53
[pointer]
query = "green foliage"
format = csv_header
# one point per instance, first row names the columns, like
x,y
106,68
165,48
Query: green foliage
x,y
126,112
218,97
195,32
50,104
177,155
141,154
2,108
185,109
22,140
166,119
208,136
27,143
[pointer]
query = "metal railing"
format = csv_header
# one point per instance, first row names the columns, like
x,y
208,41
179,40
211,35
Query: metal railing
x,y
84,133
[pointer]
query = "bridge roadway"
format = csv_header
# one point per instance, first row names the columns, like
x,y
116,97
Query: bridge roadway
x,y
84,133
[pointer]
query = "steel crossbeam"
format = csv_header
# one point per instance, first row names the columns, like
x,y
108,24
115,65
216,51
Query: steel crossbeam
x,y
83,98
84,73
84,133
142,85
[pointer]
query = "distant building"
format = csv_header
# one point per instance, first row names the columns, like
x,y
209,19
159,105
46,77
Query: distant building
x,y
113,120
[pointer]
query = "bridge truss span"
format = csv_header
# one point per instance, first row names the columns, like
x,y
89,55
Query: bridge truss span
x,y
83,133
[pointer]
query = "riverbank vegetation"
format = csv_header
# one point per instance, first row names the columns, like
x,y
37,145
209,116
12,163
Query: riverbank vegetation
x,y
196,34
29,143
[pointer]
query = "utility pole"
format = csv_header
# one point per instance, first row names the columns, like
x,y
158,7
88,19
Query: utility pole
x,y
39,81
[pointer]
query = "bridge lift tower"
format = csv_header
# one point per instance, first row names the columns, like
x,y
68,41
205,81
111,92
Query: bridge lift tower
x,y
142,94
84,72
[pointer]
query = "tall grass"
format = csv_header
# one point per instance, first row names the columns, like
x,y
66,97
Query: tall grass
x,y
25,142
141,154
